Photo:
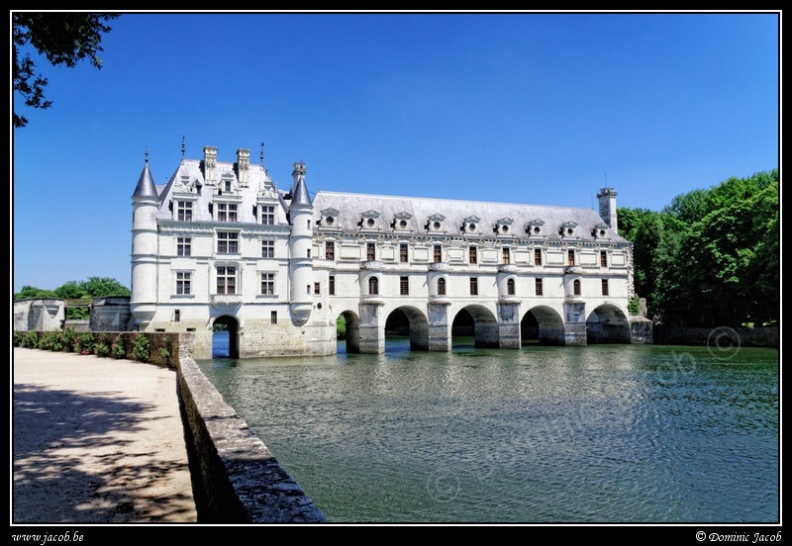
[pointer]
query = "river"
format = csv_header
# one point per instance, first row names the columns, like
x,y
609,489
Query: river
x,y
604,433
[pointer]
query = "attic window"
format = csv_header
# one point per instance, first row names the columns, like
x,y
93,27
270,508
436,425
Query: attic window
x,y
471,227
602,233
402,224
505,229
570,231
436,225
370,222
329,220
536,230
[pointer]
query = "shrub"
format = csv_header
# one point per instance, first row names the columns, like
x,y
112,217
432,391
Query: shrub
x,y
165,355
117,349
634,307
30,340
69,338
140,348
18,337
51,341
84,344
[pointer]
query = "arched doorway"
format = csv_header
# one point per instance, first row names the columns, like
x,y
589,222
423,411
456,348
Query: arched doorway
x,y
225,337
478,322
542,325
348,330
408,321
607,324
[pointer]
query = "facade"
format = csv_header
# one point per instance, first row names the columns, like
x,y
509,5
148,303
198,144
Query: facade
x,y
221,244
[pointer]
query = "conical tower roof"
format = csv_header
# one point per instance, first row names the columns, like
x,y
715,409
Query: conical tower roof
x,y
145,186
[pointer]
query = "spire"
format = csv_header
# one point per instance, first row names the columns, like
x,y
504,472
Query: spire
x,y
300,192
182,159
145,186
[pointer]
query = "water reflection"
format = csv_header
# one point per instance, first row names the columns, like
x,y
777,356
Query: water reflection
x,y
545,434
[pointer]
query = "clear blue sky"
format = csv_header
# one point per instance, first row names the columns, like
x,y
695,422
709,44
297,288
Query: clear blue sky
x,y
528,108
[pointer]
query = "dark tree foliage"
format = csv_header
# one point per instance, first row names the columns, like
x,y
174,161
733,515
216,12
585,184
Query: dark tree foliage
x,y
711,257
63,38
94,287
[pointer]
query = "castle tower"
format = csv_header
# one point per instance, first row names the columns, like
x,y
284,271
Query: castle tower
x,y
145,205
300,245
607,208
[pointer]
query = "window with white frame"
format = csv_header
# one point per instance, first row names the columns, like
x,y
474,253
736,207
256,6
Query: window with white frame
x,y
267,214
267,248
184,211
183,283
226,212
226,279
183,246
267,284
227,242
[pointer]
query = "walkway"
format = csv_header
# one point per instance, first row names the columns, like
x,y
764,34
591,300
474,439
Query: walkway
x,y
97,440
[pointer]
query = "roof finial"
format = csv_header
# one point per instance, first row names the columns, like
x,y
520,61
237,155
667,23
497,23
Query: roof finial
x,y
261,155
182,148
146,154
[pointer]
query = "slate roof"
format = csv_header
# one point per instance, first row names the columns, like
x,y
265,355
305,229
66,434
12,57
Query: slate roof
x,y
455,217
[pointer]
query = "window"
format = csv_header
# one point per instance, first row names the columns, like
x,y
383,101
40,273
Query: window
x,y
510,289
177,315
441,286
183,284
539,290
226,212
474,286
404,286
506,255
308,253
570,257
538,256
576,287
329,250
183,246
184,211
226,280
605,290
267,249
371,252
331,285
317,288
473,255
438,253
227,186
403,252
273,317
227,242
267,215
373,286
267,284
603,258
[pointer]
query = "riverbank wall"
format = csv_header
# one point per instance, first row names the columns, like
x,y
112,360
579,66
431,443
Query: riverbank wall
x,y
235,477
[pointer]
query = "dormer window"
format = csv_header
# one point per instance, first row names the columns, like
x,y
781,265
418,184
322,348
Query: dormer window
x,y
503,226
601,231
471,224
435,222
569,229
329,218
401,221
534,228
370,220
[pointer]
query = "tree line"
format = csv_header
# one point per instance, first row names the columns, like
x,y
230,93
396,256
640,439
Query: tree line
x,y
711,257
94,287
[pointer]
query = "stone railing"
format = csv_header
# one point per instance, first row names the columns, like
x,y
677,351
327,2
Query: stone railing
x,y
235,478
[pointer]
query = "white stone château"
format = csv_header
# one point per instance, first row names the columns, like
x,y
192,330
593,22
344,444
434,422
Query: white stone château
x,y
221,244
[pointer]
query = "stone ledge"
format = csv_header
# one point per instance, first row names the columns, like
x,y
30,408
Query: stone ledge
x,y
235,477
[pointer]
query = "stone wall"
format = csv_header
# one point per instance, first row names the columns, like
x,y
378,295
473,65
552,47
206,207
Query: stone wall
x,y
235,478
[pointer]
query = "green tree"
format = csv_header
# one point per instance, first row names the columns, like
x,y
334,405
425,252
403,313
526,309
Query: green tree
x,y
63,38
31,292
104,287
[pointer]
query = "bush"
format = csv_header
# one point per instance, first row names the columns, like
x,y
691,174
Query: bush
x,y
84,343
69,339
18,337
140,348
117,349
165,355
634,307
30,340
51,341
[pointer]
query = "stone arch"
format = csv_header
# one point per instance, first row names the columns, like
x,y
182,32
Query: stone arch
x,y
225,345
418,326
607,324
543,325
485,325
352,333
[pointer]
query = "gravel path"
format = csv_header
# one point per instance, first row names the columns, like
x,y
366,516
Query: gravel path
x,y
97,440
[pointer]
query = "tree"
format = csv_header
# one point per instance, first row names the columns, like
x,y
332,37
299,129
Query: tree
x,y
31,292
104,287
63,38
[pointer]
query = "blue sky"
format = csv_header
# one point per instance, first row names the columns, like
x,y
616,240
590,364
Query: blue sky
x,y
508,107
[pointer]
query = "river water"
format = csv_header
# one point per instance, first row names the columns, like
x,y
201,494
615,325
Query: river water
x,y
604,433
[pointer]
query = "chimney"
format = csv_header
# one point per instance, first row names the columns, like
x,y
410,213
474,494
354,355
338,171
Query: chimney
x,y
210,163
243,166
607,208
